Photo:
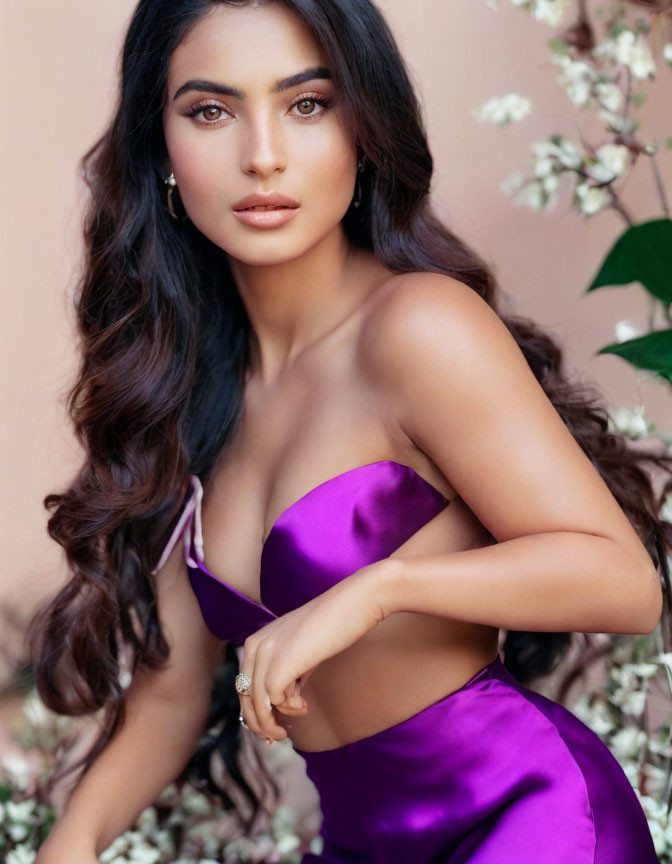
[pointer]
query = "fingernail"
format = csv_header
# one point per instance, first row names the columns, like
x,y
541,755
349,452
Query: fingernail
x,y
269,740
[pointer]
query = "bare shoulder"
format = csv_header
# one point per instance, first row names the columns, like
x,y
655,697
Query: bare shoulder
x,y
416,316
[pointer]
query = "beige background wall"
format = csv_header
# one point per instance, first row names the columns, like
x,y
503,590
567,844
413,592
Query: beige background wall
x,y
59,64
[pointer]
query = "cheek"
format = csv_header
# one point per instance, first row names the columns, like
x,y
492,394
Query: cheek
x,y
326,174
196,161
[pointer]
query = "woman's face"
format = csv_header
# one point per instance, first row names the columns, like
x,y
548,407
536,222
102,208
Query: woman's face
x,y
289,138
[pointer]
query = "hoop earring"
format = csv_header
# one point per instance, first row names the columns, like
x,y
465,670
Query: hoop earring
x,y
360,167
171,183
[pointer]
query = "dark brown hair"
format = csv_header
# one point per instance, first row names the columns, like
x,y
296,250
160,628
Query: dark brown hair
x,y
164,347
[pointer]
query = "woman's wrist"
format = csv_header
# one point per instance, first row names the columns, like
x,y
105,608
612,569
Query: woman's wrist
x,y
383,579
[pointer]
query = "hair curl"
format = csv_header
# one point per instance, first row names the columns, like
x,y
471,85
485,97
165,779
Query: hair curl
x,y
156,295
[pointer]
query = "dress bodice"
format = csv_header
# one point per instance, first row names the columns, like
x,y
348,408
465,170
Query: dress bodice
x,y
341,525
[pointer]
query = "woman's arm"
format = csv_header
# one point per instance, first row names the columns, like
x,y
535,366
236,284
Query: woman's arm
x,y
167,711
567,557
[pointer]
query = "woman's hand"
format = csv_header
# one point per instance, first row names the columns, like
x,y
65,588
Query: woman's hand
x,y
280,657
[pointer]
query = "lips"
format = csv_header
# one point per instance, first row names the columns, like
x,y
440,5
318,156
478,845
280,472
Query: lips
x,y
269,201
264,207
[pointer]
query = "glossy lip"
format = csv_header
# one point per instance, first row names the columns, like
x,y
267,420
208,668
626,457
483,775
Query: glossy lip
x,y
271,199
266,218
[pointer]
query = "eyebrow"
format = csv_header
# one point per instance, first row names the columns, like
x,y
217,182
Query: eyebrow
x,y
283,84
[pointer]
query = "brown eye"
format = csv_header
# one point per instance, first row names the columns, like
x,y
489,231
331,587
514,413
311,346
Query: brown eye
x,y
205,110
305,103
208,115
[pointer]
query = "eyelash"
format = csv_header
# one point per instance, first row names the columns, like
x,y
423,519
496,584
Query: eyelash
x,y
306,97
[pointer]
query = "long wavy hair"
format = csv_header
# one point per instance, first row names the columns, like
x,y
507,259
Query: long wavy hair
x,y
164,347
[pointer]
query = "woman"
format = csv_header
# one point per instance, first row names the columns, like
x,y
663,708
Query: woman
x,y
310,436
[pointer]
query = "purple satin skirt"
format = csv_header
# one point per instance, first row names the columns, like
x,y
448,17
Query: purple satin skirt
x,y
493,773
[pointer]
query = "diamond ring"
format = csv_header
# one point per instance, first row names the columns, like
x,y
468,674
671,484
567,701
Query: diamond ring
x,y
243,682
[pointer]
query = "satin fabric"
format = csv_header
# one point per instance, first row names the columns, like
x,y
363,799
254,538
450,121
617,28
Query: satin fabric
x,y
493,773
350,520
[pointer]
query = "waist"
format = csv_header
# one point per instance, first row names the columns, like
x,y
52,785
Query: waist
x,y
408,662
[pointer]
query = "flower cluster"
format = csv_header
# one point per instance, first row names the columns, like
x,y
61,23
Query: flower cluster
x,y
183,826
617,713
596,75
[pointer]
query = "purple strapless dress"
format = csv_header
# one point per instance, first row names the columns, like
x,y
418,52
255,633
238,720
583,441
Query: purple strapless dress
x,y
492,773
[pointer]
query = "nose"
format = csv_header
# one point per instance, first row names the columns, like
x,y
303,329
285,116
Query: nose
x,y
265,151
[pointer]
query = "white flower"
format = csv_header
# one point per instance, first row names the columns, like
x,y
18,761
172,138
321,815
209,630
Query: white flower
x,y
17,768
565,152
35,711
635,52
20,811
317,844
18,831
21,855
656,816
631,771
617,123
665,658
195,802
533,196
667,53
662,748
550,183
655,779
627,743
631,423
613,161
643,670
653,808
629,49
625,676
144,854
630,701
548,11
626,330
658,836
591,199
569,155
287,843
577,78
504,109
118,845
543,166
609,95
597,716
513,183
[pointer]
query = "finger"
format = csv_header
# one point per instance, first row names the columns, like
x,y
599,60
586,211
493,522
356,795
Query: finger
x,y
292,709
293,698
292,703
250,664
250,715
262,699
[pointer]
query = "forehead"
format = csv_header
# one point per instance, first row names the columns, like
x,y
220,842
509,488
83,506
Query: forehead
x,y
249,46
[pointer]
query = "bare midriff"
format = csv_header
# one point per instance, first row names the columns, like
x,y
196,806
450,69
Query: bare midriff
x,y
404,664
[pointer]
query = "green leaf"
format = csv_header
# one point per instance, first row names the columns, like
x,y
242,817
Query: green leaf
x,y
643,253
653,352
